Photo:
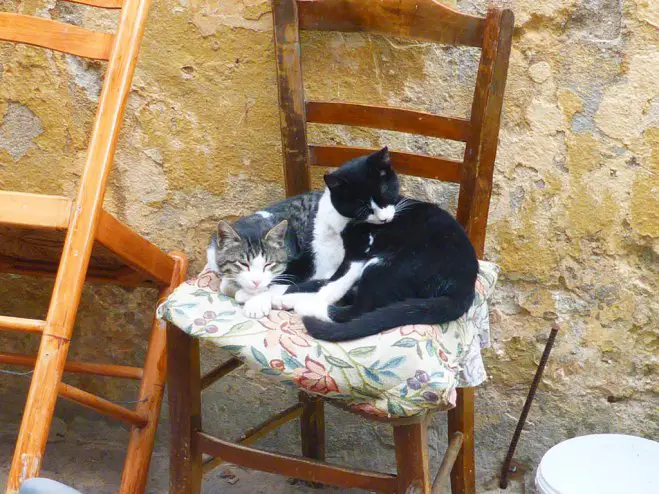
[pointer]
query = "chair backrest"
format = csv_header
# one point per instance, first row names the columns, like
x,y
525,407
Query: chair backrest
x,y
119,49
416,19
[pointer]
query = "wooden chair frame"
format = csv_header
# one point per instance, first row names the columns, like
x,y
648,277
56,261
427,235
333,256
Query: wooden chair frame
x,y
84,227
418,19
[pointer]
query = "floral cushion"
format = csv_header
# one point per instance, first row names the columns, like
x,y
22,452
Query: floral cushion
x,y
397,373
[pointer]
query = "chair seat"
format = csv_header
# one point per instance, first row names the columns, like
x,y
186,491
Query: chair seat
x,y
401,372
33,228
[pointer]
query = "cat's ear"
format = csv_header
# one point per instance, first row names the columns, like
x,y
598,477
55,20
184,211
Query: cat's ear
x,y
332,181
381,159
226,233
276,235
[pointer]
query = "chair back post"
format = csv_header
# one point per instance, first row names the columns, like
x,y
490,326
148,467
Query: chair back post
x,y
100,154
291,97
481,148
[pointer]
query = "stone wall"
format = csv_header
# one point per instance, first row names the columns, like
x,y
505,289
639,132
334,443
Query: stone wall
x,y
574,220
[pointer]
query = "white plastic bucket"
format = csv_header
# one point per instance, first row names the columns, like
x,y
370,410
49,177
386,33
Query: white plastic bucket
x,y
600,464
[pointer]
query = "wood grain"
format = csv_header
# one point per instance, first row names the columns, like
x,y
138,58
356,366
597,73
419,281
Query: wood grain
x,y
21,324
488,103
418,165
104,4
444,472
461,419
55,35
253,434
291,97
220,371
425,20
149,399
184,394
133,249
100,405
295,466
92,368
312,426
383,117
36,211
412,460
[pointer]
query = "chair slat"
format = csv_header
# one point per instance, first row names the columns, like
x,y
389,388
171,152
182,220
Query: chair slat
x,y
55,35
422,19
382,117
104,4
418,165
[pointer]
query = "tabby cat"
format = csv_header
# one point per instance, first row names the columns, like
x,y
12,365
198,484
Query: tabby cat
x,y
364,189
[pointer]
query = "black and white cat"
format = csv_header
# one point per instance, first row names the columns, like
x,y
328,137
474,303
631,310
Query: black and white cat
x,y
417,268
364,189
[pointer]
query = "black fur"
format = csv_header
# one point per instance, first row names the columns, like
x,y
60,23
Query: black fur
x,y
360,180
425,274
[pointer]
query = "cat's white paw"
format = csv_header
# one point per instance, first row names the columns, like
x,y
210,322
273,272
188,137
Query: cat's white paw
x,y
311,305
258,306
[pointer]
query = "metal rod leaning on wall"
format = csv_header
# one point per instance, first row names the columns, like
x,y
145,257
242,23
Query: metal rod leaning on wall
x,y
503,483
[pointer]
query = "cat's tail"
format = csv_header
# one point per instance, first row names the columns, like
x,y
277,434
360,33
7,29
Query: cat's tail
x,y
436,310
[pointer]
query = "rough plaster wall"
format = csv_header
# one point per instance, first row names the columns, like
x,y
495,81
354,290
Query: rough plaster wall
x,y
574,218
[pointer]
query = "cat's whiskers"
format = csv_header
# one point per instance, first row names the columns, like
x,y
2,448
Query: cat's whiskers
x,y
284,277
362,211
403,205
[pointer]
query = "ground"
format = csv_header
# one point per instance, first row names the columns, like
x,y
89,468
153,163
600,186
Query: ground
x,y
79,454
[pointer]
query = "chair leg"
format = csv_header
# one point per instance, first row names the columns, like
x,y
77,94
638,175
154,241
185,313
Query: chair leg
x,y
140,446
38,412
411,444
49,365
184,393
461,419
312,426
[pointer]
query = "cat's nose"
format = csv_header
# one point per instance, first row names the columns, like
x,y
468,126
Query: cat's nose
x,y
256,283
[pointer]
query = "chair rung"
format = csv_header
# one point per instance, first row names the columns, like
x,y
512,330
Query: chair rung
x,y
295,466
22,324
34,210
110,370
219,372
101,405
252,435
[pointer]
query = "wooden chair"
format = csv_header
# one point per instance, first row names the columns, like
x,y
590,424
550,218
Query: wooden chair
x,y
74,240
418,19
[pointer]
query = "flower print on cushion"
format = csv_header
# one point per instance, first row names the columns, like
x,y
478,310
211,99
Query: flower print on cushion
x,y
397,373
286,331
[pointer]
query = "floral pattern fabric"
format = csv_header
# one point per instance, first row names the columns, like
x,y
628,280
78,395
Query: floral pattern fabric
x,y
397,373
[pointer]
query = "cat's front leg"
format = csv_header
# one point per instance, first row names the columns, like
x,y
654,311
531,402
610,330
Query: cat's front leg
x,y
228,288
317,304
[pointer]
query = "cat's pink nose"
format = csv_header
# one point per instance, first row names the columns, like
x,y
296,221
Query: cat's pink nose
x,y
256,283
